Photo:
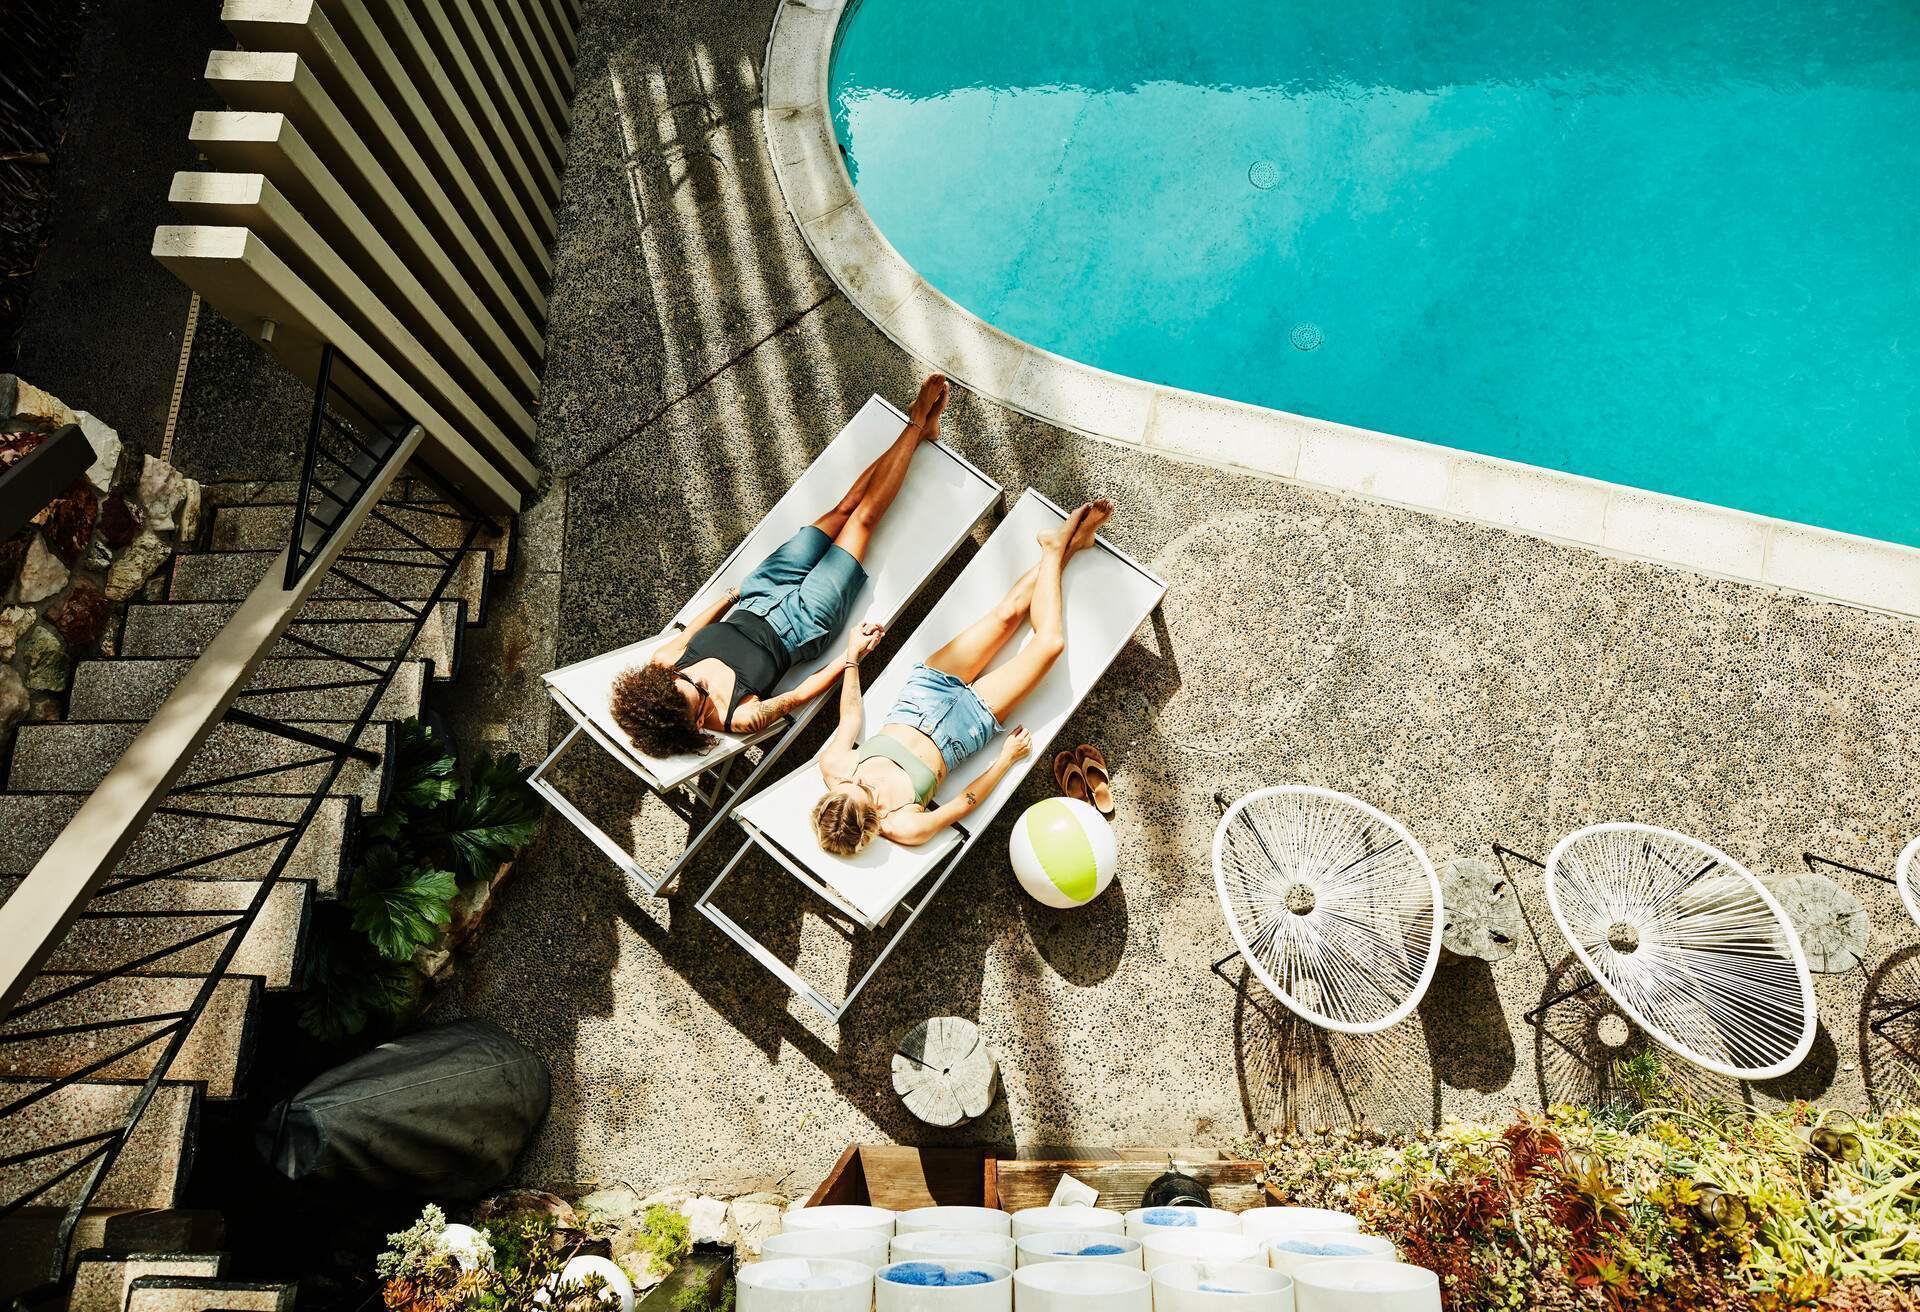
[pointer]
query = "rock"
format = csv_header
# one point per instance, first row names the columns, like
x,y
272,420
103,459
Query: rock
x,y
617,1203
14,701
162,490
46,706
43,573
433,961
14,447
529,1200
80,616
106,446
13,553
639,1270
120,521
29,407
42,659
99,556
707,1220
1482,908
14,621
136,564
187,518
69,523
754,1220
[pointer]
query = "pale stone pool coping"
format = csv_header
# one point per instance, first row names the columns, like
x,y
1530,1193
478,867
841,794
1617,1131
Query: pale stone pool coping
x,y
917,316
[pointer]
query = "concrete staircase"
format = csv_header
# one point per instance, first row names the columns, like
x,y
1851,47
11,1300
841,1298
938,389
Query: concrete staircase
x,y
193,869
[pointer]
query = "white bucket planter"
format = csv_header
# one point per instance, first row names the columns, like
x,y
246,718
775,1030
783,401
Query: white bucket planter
x,y
952,1245
839,1217
1082,1287
1220,1247
910,1287
1078,1246
1293,1251
804,1284
988,1220
1271,1222
1205,1287
618,1293
864,1246
1142,1221
1358,1285
1076,1216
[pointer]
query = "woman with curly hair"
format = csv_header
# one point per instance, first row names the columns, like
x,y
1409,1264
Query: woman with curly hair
x,y
718,675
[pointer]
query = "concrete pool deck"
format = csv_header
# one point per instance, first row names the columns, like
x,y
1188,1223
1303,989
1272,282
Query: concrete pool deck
x,y
1550,503
1480,685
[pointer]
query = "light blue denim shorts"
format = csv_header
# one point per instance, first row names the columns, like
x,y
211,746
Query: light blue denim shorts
x,y
947,710
804,591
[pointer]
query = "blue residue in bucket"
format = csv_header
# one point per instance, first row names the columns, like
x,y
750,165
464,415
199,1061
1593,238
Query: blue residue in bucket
x,y
1222,1289
1311,1249
1100,1250
933,1274
1177,1217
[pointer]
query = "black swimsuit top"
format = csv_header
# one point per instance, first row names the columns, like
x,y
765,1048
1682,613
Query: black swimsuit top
x,y
747,645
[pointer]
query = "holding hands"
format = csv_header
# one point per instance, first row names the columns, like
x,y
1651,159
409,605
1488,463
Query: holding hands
x,y
864,639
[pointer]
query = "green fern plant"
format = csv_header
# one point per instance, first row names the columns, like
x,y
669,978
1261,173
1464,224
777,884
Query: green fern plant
x,y
398,906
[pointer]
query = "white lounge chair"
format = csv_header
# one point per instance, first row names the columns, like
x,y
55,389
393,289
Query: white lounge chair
x,y
942,499
1108,596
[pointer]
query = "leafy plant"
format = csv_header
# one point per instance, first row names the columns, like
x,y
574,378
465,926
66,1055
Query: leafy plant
x,y
440,833
666,1238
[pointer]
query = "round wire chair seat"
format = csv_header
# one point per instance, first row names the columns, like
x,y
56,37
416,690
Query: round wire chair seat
x,y
1332,903
1688,944
1906,878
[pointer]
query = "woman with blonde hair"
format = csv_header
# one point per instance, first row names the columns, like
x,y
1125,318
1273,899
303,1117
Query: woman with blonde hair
x,y
951,707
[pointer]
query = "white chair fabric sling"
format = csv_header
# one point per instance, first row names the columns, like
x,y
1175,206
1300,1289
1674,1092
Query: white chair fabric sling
x,y
1333,904
1688,944
1108,596
938,505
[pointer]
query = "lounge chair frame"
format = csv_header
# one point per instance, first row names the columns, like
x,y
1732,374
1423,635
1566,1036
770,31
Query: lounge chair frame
x,y
927,887
711,790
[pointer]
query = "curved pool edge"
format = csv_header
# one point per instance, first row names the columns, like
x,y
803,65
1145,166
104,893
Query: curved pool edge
x,y
1607,517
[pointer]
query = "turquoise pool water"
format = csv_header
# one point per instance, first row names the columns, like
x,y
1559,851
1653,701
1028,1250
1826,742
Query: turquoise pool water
x,y
1670,245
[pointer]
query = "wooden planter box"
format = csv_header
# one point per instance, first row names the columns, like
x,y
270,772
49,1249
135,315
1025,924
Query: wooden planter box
x,y
901,1178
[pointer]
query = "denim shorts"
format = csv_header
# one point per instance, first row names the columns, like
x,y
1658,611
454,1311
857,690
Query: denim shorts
x,y
804,591
947,710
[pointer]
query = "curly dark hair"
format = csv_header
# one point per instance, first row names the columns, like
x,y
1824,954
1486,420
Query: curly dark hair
x,y
648,704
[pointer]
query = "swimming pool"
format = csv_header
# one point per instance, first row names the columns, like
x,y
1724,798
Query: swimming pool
x,y
1672,247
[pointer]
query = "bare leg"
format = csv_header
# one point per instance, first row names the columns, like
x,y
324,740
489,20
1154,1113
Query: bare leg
x,y
890,471
1003,689
977,644
927,425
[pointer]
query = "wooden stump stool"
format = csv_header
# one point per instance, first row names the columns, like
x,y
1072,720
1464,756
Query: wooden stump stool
x,y
1483,910
1830,921
944,1073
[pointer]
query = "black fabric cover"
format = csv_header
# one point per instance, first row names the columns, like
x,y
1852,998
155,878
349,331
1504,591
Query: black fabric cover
x,y
441,1112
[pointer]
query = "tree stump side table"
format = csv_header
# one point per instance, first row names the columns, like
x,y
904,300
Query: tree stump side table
x,y
1482,910
944,1073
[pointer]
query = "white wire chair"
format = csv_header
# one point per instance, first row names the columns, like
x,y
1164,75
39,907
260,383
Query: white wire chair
x,y
1332,903
1906,880
1687,943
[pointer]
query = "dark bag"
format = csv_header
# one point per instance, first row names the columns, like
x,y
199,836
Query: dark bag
x,y
441,1112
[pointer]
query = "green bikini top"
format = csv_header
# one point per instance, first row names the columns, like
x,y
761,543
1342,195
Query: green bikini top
x,y
919,774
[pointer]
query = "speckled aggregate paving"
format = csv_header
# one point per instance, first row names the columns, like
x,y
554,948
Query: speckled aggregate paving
x,y
1480,685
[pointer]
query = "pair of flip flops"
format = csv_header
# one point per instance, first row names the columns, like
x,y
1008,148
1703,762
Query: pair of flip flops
x,y
1082,775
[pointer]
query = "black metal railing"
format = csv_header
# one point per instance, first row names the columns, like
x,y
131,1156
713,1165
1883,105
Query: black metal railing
x,y
347,449
164,1033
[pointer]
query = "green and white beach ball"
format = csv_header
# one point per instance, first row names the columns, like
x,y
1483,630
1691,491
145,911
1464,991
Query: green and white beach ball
x,y
1063,852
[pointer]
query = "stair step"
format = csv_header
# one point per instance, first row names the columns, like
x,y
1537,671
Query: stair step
x,y
151,1167
214,1053
104,940
363,629
305,689
266,525
408,575
175,1294
27,1238
406,487
75,755
29,822
101,1280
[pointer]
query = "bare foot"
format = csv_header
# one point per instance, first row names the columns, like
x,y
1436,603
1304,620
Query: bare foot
x,y
1097,513
928,405
1058,539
